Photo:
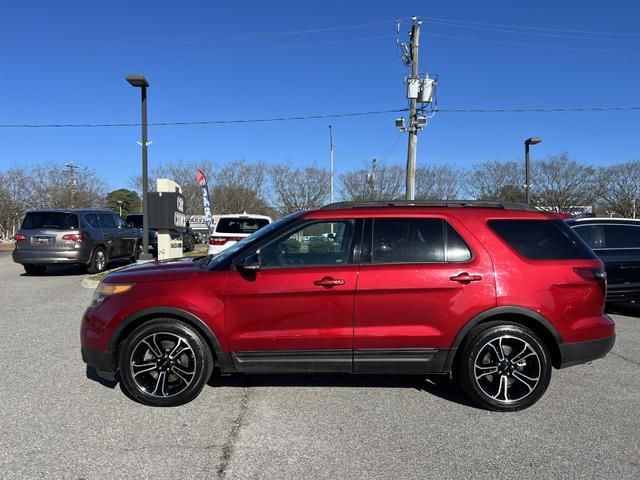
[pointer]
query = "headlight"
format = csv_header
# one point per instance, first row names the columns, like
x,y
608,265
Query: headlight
x,y
105,290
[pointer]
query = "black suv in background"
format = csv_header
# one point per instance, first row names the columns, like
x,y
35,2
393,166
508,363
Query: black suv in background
x,y
188,237
88,237
617,242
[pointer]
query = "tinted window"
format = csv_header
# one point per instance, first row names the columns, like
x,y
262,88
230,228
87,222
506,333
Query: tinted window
x,y
408,240
107,220
134,220
56,220
240,225
593,235
542,239
317,243
92,220
119,222
621,236
457,250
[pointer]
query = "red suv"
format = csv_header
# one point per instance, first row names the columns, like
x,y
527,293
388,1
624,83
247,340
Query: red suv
x,y
493,294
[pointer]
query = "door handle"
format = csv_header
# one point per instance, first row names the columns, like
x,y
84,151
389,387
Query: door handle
x,y
465,277
328,282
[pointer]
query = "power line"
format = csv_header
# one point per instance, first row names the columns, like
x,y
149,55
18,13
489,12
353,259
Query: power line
x,y
320,117
518,44
531,27
535,110
203,122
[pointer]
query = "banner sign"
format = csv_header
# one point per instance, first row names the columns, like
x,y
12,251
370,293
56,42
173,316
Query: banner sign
x,y
202,181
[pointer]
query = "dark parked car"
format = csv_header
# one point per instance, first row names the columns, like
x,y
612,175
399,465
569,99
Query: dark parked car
x,y
494,295
188,237
617,242
88,237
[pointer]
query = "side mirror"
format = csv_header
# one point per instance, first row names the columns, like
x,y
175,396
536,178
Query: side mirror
x,y
250,263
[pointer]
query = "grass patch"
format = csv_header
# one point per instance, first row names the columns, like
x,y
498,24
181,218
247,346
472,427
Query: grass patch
x,y
99,276
6,247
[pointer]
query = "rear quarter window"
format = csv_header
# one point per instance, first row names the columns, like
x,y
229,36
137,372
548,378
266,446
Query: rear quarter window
x,y
542,239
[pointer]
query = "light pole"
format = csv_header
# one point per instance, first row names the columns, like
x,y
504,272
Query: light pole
x,y
137,80
120,202
527,167
331,145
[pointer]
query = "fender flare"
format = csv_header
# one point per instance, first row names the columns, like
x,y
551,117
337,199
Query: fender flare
x,y
223,358
494,312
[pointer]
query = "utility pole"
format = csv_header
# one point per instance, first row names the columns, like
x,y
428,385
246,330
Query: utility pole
x,y
371,180
331,145
73,184
413,124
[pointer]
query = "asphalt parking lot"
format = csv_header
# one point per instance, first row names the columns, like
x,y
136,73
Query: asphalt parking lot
x,y
57,423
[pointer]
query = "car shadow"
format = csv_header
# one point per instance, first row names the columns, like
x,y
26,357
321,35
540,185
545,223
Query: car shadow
x,y
73,270
438,385
627,309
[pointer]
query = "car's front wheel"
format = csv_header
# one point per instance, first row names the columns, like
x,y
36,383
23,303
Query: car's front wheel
x,y
164,363
504,366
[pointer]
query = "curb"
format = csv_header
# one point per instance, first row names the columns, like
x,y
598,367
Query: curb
x,y
86,283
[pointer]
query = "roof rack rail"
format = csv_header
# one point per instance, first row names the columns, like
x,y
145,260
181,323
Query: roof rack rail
x,y
432,203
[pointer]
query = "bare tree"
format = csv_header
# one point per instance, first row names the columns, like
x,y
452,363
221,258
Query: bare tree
x,y
560,182
240,187
53,186
387,184
439,183
496,180
298,189
15,194
619,188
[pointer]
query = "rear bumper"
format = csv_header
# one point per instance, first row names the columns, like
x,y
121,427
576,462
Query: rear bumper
x,y
46,256
101,361
583,352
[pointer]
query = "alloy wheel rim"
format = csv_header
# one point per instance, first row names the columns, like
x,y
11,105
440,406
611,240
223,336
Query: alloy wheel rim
x,y
101,261
507,369
162,365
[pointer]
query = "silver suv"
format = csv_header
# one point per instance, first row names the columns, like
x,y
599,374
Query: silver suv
x,y
87,237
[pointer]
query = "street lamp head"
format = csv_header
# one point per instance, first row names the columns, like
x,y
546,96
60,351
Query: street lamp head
x,y
137,80
532,140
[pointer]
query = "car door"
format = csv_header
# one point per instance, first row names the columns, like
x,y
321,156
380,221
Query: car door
x,y
110,234
296,311
420,280
126,237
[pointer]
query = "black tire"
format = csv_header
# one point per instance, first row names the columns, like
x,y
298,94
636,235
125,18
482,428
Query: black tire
x,y
515,381
164,363
98,261
136,253
32,269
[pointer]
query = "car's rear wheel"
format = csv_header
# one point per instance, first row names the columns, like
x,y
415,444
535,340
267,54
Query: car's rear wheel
x,y
164,363
504,366
98,261
32,269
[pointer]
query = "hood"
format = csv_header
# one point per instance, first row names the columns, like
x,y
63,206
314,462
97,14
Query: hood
x,y
156,271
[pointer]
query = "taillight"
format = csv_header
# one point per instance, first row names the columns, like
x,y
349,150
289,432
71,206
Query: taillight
x,y
75,237
19,238
597,275
222,240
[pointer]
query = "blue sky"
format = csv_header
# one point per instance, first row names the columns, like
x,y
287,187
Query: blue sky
x,y
65,62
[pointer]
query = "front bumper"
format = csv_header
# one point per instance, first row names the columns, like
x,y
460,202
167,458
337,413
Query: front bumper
x,y
583,352
50,256
101,361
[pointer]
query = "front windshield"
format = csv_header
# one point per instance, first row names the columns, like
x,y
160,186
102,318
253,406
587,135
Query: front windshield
x,y
253,238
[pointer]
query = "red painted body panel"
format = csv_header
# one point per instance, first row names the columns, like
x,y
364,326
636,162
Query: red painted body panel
x,y
282,309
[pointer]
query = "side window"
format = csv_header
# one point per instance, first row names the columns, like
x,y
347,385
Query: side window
x,y
106,220
593,235
408,240
457,250
92,220
621,236
316,243
120,223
